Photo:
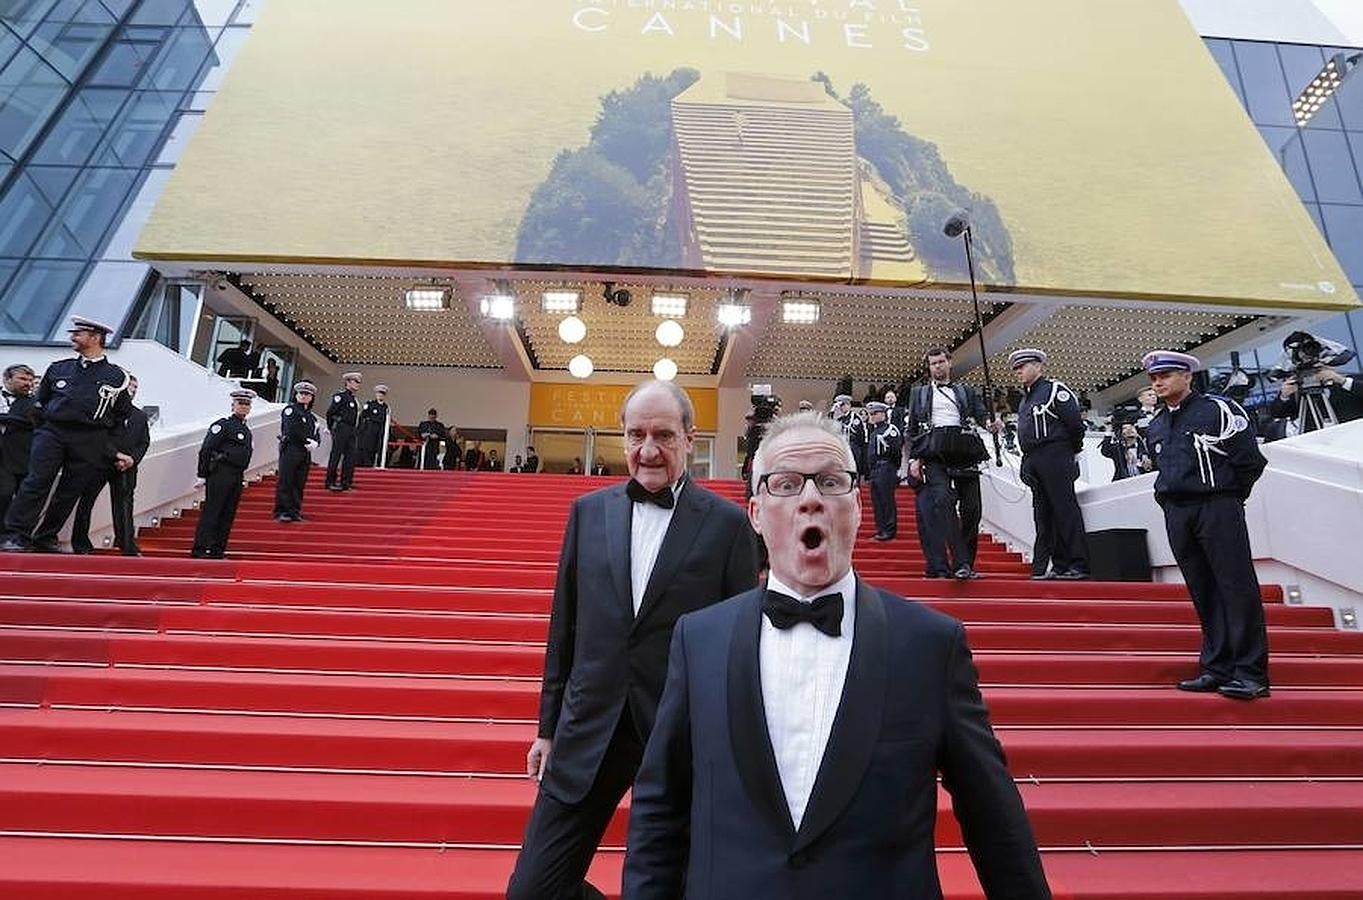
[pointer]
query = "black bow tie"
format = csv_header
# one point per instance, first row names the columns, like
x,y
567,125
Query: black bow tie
x,y
663,496
825,613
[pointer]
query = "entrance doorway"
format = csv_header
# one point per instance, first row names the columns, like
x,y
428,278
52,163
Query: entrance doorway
x,y
560,449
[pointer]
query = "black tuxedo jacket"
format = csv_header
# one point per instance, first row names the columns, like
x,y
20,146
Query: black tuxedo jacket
x,y
709,817
132,435
601,656
16,435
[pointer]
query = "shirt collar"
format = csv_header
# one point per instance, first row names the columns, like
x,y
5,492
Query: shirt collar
x,y
846,585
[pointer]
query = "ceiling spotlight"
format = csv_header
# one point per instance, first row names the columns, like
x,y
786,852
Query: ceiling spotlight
x,y
615,297
669,333
580,366
428,299
664,369
671,305
561,301
800,312
572,330
501,307
732,315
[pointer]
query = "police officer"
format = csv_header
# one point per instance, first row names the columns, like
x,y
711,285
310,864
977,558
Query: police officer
x,y
223,460
299,434
841,412
1208,460
343,421
131,439
1050,433
373,418
884,452
432,432
17,420
946,480
81,400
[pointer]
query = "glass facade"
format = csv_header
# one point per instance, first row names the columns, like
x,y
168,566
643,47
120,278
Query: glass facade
x,y
97,101
1322,158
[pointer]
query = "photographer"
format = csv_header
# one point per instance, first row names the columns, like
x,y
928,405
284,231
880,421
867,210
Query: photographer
x,y
1306,371
1128,451
765,407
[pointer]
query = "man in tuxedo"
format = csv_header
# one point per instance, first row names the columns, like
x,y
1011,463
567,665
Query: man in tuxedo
x,y
17,421
796,747
635,557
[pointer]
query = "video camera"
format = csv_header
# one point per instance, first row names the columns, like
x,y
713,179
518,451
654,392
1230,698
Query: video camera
x,y
1304,355
765,404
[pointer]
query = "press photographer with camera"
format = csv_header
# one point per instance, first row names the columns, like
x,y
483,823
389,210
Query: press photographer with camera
x,y
1128,451
765,407
1313,395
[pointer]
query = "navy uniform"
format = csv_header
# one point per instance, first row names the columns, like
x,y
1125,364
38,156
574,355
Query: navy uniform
x,y
373,418
884,452
80,400
343,421
1050,433
859,438
131,437
432,432
299,433
841,413
1208,461
948,490
18,413
223,460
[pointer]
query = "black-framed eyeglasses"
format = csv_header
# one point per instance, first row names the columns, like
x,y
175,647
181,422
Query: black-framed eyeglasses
x,y
833,483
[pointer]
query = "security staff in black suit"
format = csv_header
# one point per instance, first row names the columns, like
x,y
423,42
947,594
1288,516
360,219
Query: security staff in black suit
x,y
635,557
17,420
131,439
1050,433
80,401
238,361
1208,462
223,459
884,452
433,433
532,460
299,434
343,421
947,481
373,419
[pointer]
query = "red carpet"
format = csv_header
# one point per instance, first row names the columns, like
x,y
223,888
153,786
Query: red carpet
x,y
341,710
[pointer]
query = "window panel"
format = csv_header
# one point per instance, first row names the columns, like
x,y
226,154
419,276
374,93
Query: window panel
x,y
36,298
8,45
52,181
1332,167
23,213
186,124
180,59
92,205
129,59
1286,144
1225,58
210,12
25,15
160,12
29,92
1349,98
1301,64
1344,225
120,244
136,133
74,137
1265,89
69,46
224,52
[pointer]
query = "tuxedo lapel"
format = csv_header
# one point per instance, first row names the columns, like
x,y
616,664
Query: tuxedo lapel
x,y
751,742
857,724
618,513
692,507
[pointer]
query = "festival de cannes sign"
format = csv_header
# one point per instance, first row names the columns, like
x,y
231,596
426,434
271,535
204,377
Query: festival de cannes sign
x,y
1096,145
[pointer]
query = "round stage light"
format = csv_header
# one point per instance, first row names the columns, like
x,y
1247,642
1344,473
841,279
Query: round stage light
x,y
664,369
669,333
580,366
572,330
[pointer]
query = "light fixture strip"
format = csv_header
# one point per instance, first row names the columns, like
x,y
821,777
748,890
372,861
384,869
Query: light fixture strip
x,y
800,312
672,306
428,299
560,301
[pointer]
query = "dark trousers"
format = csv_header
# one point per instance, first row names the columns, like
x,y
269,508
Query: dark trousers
x,y
884,480
342,460
294,462
1050,471
221,496
75,453
969,510
368,445
9,486
1211,543
561,838
121,488
939,525
430,455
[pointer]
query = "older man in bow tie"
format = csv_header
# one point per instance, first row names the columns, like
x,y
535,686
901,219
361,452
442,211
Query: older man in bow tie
x,y
635,557
796,747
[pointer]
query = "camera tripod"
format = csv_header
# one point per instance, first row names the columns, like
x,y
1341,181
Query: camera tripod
x,y
1314,409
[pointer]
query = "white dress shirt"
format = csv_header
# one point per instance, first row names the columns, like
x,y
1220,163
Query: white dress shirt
x,y
647,527
944,409
802,672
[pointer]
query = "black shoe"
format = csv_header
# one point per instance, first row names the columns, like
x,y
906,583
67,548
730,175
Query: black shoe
x,y
46,546
966,573
1042,576
335,487
1243,689
282,517
1072,575
13,545
196,553
82,551
133,551
1205,683
880,536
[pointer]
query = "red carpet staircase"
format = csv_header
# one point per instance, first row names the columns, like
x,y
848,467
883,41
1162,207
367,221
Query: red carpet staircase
x,y
341,710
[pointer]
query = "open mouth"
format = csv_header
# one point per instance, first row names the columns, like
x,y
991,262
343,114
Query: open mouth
x,y
812,537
